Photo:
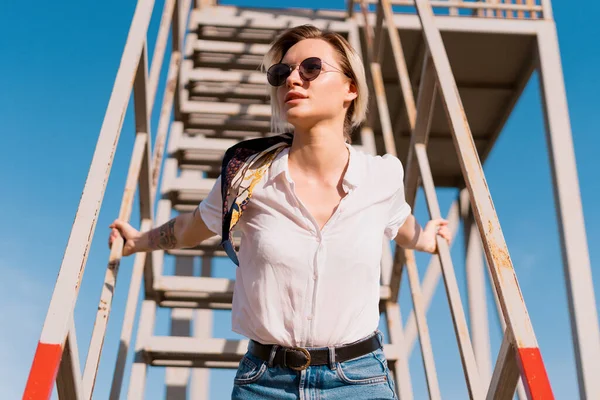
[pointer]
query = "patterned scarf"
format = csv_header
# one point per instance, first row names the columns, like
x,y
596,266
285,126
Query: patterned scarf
x,y
244,164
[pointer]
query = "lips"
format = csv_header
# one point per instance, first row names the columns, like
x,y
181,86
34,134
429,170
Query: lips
x,y
293,96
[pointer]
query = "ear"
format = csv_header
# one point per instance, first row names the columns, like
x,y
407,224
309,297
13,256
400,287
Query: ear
x,y
352,92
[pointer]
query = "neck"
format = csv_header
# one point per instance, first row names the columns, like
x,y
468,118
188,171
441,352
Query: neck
x,y
319,151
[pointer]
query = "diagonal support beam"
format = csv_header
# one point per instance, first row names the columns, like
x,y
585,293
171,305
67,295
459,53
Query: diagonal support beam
x,y
579,283
378,86
60,312
401,369
430,282
458,315
426,350
530,360
69,382
506,373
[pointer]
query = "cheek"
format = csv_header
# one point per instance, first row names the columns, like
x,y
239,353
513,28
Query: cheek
x,y
329,94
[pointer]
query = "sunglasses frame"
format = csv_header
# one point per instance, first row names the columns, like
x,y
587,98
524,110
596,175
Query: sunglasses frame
x,y
292,67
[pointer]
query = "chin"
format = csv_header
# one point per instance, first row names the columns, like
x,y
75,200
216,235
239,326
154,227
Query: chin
x,y
294,115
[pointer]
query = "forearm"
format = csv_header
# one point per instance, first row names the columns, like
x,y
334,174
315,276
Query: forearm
x,y
171,235
410,235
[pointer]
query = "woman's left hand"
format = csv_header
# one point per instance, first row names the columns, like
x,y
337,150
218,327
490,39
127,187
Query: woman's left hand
x,y
435,227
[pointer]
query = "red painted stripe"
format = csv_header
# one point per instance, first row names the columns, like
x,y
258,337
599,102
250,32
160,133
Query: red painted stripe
x,y
43,372
535,378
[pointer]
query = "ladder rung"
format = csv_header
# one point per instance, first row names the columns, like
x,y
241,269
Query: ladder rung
x,y
190,351
225,90
218,46
218,75
177,348
192,186
229,109
196,364
227,18
202,149
187,288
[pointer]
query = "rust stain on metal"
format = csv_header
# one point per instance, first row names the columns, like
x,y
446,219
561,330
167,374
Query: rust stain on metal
x,y
499,254
128,197
171,84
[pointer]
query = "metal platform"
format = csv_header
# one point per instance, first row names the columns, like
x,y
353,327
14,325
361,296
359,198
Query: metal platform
x,y
443,80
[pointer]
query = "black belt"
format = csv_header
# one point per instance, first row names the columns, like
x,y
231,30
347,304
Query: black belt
x,y
299,358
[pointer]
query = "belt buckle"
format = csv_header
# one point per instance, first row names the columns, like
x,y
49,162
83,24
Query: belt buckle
x,y
308,359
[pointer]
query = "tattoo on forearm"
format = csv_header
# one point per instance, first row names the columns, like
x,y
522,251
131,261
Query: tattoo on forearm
x,y
164,236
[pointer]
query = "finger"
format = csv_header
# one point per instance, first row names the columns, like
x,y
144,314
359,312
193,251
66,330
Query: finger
x,y
118,224
445,233
445,230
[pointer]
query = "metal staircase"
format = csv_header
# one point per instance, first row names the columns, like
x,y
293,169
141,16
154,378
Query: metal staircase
x,y
423,111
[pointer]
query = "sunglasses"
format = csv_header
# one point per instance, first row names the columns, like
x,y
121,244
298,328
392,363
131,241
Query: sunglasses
x,y
309,70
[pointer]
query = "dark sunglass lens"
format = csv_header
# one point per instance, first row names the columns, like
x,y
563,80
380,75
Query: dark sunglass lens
x,y
310,68
277,74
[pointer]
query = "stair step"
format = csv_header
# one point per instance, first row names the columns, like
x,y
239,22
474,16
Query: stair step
x,y
219,46
202,151
225,55
205,74
228,126
226,109
228,91
191,288
175,350
208,247
189,190
243,20
210,352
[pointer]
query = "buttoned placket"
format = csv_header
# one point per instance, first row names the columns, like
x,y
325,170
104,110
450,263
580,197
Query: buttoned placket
x,y
320,255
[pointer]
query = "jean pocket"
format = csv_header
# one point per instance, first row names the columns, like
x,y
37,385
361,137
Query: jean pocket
x,y
250,370
364,370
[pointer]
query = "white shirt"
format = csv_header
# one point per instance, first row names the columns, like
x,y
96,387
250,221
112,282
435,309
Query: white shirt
x,y
297,285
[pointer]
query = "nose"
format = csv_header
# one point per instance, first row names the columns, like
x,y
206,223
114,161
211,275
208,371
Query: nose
x,y
294,79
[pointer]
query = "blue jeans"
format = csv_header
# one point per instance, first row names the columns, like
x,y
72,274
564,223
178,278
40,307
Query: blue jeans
x,y
363,378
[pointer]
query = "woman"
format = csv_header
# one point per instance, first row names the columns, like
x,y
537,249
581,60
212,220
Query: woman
x,y
315,212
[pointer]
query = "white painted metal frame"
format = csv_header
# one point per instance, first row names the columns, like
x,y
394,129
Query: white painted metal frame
x,y
519,326
479,8
144,168
519,356
576,261
586,295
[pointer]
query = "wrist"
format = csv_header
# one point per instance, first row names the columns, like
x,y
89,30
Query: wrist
x,y
141,243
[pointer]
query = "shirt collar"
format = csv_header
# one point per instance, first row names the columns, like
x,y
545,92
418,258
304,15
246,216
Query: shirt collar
x,y
352,177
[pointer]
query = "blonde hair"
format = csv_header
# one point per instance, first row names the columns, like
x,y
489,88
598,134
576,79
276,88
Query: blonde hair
x,y
350,62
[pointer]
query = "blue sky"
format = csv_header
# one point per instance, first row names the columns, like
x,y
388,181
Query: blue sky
x,y
57,71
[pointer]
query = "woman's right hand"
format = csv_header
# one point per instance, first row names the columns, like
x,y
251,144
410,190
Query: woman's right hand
x,y
129,233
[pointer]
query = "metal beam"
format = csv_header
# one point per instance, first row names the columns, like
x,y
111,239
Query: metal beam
x,y
60,312
576,261
506,374
400,366
532,367
69,384
478,316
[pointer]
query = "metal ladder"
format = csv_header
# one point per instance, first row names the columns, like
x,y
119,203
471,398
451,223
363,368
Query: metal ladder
x,y
218,98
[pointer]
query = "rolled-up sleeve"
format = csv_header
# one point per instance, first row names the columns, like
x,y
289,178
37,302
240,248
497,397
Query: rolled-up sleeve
x,y
399,209
211,208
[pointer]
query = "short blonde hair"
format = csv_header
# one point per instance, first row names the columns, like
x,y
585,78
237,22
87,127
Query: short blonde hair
x,y
350,62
